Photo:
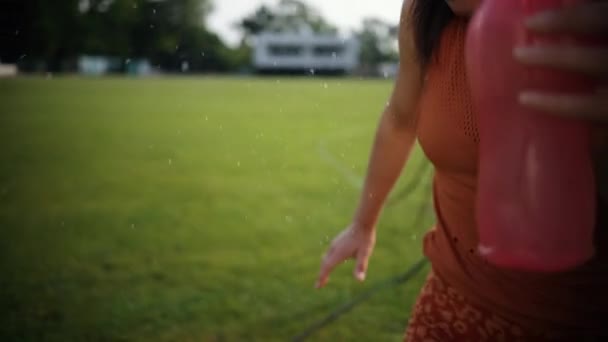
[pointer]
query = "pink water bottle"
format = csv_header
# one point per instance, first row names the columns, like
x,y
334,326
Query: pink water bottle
x,y
536,190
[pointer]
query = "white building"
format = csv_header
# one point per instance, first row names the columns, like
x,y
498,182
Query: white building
x,y
8,70
305,52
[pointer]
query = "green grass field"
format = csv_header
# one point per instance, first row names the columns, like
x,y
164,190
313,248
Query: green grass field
x,y
188,209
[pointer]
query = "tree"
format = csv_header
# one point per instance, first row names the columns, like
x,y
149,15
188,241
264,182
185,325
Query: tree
x,y
170,33
106,25
287,16
378,41
43,30
257,22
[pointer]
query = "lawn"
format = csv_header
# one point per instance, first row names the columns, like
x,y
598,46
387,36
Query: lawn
x,y
193,209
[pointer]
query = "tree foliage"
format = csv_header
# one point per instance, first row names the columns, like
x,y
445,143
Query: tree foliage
x,y
169,33
287,16
378,41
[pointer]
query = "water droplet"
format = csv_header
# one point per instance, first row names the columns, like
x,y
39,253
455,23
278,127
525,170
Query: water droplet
x,y
312,71
170,161
206,118
325,85
132,225
202,53
414,237
154,11
238,164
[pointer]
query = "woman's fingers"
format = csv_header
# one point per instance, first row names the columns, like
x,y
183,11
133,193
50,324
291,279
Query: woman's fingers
x,y
590,17
330,261
591,107
362,262
592,61
352,243
328,264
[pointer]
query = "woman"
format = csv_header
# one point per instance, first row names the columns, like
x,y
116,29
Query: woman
x,y
466,298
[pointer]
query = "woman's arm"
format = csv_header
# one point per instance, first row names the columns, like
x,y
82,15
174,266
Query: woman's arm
x,y
396,131
395,137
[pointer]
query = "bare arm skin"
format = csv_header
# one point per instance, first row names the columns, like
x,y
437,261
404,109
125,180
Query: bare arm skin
x,y
395,137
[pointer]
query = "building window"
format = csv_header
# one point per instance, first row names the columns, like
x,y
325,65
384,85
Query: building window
x,y
284,50
328,50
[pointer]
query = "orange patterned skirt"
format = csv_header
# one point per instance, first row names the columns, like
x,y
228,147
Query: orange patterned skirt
x,y
442,315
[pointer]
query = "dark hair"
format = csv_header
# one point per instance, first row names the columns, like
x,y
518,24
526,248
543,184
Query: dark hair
x,y
430,18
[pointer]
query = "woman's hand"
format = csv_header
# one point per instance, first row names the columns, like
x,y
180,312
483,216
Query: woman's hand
x,y
587,18
355,242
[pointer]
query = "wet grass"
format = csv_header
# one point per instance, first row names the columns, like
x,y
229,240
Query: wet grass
x,y
192,209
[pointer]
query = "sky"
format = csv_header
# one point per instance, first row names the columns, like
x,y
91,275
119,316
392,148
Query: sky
x,y
345,14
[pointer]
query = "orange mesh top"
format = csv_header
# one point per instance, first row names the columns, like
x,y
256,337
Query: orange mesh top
x,y
448,134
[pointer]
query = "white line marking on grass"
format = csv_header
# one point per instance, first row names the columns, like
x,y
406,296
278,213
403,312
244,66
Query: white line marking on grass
x,y
352,178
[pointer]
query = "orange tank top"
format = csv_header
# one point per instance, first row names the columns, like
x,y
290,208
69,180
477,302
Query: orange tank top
x,y
447,132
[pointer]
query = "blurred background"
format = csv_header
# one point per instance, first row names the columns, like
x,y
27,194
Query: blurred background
x,y
173,170
143,37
